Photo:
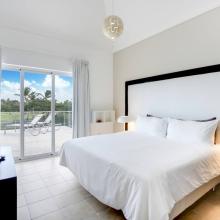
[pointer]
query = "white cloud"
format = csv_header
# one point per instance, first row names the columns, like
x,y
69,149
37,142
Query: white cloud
x,y
27,83
59,82
9,89
63,90
47,82
62,95
12,86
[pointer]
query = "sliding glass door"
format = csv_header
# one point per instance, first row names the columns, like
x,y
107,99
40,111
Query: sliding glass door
x,y
10,110
36,112
63,109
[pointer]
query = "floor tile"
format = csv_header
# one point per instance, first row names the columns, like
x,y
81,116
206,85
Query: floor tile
x,y
213,198
28,187
24,172
188,216
21,200
25,165
42,208
110,214
62,188
37,195
206,210
68,177
98,206
29,178
53,180
71,197
23,213
46,167
53,216
80,210
48,173
19,189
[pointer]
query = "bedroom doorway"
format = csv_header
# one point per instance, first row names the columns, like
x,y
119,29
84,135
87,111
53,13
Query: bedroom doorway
x,y
35,111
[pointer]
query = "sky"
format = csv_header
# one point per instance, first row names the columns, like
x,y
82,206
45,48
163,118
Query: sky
x,y
38,82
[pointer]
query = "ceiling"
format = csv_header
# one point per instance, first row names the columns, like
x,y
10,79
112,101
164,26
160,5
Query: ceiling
x,y
145,18
74,21
79,22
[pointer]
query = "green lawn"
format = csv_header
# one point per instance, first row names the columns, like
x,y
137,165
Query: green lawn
x,y
9,116
12,117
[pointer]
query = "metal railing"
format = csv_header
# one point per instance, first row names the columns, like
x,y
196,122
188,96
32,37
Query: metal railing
x,y
63,118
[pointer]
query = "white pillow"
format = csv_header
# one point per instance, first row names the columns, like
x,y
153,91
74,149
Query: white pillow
x,y
192,131
151,126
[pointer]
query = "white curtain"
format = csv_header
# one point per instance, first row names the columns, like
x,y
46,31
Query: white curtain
x,y
81,99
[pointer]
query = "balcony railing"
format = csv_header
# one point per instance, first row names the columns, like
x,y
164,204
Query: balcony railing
x,y
62,118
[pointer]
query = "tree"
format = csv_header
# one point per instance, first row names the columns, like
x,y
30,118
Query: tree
x,y
35,102
46,95
28,94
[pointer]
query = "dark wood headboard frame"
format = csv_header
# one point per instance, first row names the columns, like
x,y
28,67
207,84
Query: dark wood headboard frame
x,y
179,74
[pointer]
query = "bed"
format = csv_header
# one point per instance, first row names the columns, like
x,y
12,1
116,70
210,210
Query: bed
x,y
151,178
141,175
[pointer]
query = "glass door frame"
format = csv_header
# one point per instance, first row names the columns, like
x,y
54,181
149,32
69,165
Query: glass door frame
x,y
54,103
34,70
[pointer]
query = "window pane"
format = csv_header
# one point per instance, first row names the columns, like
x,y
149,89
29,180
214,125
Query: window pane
x,y
63,108
37,113
10,110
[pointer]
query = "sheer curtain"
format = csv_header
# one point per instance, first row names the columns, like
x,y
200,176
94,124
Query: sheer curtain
x,y
81,99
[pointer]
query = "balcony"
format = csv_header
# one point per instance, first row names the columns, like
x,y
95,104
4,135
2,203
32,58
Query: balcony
x,y
37,131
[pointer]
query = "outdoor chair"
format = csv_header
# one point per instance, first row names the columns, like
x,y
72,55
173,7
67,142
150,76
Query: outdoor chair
x,y
32,124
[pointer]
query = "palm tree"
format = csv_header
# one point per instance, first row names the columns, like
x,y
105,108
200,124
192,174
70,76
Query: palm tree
x,y
46,95
28,94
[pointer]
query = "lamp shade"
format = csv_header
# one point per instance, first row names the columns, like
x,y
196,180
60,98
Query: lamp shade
x,y
123,119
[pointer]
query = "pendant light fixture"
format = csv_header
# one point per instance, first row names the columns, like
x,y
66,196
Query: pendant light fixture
x,y
113,26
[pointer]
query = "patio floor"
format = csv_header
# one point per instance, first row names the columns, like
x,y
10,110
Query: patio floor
x,y
38,144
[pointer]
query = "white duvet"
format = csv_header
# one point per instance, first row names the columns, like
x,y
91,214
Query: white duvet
x,y
141,175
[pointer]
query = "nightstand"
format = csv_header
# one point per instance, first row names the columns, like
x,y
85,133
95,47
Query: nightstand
x,y
102,122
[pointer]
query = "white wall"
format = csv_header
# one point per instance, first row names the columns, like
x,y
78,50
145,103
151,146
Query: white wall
x,y
101,73
192,44
35,59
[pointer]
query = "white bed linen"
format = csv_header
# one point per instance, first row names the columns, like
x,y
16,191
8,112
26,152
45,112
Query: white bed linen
x,y
141,175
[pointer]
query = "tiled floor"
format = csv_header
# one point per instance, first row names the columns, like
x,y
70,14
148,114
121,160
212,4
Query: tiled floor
x,y
48,191
38,144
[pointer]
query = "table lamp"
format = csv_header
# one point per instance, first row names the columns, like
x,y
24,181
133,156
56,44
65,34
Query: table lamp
x,y
123,120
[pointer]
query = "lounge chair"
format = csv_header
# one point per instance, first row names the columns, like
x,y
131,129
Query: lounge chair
x,y
36,126
46,124
32,124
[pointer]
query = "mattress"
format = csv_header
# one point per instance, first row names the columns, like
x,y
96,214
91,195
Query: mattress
x,y
141,175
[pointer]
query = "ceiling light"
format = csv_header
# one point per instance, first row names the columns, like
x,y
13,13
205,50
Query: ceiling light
x,y
113,26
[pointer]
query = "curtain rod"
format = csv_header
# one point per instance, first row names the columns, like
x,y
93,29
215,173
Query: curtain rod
x,y
36,69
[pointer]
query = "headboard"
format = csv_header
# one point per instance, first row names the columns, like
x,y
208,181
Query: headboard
x,y
188,94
